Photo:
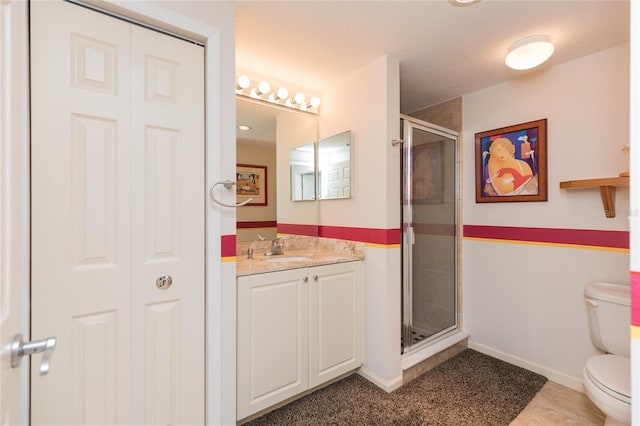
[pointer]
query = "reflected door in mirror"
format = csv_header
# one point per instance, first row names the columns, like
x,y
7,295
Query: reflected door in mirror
x,y
334,166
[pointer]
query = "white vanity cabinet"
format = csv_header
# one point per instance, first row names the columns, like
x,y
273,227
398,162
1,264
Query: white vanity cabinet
x,y
297,329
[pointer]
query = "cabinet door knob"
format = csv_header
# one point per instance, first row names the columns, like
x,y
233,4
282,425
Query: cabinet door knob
x,y
305,279
315,278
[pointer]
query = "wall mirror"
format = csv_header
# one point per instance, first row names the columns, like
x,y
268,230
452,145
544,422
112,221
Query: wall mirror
x,y
302,162
266,145
335,155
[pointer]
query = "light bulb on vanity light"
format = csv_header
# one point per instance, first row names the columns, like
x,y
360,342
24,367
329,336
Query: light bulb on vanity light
x,y
314,102
281,93
262,89
243,83
298,99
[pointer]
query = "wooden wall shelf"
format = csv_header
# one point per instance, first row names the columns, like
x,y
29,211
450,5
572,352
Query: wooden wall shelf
x,y
607,190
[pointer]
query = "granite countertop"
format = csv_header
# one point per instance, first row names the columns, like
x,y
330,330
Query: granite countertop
x,y
298,252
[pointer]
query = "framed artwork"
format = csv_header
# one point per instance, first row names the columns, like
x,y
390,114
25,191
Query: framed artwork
x,y
511,163
427,183
251,182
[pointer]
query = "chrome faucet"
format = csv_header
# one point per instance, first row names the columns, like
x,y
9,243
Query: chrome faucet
x,y
277,245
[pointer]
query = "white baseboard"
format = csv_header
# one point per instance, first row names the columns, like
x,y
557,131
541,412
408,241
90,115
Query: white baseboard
x,y
574,383
386,385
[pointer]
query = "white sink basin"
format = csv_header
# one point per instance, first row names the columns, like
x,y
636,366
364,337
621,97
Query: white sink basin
x,y
285,258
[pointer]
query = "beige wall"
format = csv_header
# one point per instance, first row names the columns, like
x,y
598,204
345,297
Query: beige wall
x,y
373,117
525,302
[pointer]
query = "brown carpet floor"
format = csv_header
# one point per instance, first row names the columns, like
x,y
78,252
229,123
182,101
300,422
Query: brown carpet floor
x,y
468,389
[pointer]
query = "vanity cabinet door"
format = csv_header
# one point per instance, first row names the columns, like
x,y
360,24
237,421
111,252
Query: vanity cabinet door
x,y
272,339
335,321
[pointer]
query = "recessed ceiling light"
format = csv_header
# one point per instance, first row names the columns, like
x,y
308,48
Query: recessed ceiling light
x,y
463,2
529,52
244,127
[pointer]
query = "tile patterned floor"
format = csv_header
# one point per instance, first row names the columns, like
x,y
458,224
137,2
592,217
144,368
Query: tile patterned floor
x,y
557,405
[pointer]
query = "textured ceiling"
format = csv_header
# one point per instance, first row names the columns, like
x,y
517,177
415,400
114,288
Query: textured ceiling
x,y
444,50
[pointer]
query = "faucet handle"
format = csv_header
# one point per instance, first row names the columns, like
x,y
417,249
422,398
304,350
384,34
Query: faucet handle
x,y
259,237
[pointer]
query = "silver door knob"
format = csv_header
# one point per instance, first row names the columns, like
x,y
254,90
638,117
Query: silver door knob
x,y
20,348
164,282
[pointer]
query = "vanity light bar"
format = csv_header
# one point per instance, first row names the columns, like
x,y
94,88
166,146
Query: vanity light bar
x,y
280,96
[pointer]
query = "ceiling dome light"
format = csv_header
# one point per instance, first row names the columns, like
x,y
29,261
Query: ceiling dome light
x,y
529,52
244,127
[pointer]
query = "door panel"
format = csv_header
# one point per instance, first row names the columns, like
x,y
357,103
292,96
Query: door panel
x,y
273,345
335,305
168,209
429,218
118,184
81,220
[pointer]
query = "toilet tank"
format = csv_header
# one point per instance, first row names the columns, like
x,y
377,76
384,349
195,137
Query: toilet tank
x,y
609,316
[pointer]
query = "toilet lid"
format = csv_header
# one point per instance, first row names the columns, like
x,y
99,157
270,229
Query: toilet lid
x,y
613,374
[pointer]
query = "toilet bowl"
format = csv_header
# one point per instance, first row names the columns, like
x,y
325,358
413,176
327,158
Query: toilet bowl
x,y
607,383
607,377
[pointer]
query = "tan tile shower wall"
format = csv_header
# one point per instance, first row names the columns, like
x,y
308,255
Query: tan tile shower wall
x,y
447,114
432,278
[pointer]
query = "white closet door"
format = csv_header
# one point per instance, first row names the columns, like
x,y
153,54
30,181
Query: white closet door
x,y
168,222
108,215
81,220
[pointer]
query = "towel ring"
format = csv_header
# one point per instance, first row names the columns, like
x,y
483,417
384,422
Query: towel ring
x,y
227,185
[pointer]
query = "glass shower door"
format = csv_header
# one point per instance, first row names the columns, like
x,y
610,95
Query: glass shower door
x,y
429,212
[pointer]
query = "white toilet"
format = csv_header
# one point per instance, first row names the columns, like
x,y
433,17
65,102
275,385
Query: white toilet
x,y
607,377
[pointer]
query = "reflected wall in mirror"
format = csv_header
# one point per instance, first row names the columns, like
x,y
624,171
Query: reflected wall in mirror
x,y
302,162
274,132
335,166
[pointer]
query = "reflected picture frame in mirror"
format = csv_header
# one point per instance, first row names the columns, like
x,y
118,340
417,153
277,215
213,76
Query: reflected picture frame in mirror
x,y
335,166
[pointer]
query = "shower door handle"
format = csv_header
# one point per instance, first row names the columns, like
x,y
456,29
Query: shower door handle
x,y
411,236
